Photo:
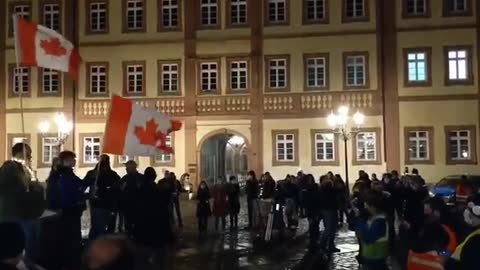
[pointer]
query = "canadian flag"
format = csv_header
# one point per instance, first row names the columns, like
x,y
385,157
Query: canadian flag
x,y
39,46
136,131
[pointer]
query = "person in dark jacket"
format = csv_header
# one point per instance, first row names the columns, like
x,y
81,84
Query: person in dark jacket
x,y
342,194
104,184
176,197
268,186
233,198
65,194
414,197
251,189
203,207
312,210
329,207
131,182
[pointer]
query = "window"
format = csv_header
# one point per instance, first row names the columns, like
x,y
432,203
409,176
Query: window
x,y
418,145
169,77
285,147
97,80
134,79
50,82
170,14
209,12
356,69
20,8
162,157
366,146
457,7
355,10
13,139
461,144
91,150
238,12
134,19
417,67
277,73
458,65
324,146
277,12
209,78
415,8
50,149
316,72
98,17
238,75
20,80
315,11
51,16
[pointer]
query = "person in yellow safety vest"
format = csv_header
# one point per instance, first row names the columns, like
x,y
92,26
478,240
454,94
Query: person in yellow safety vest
x,y
467,254
434,238
373,233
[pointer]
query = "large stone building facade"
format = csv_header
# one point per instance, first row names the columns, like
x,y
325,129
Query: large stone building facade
x,y
267,71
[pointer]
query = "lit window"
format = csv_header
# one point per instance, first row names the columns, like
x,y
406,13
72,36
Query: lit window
x,y
316,72
355,70
135,15
277,73
316,10
418,148
91,150
163,157
50,149
50,81
98,79
51,16
170,74
170,13
238,12
417,67
238,75
416,7
135,79
459,144
21,80
366,146
277,11
209,12
355,9
98,16
285,147
209,76
324,147
458,65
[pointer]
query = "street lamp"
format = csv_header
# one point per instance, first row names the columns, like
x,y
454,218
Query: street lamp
x,y
339,123
64,127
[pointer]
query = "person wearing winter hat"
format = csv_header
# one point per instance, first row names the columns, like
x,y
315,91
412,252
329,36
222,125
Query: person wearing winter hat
x,y
12,246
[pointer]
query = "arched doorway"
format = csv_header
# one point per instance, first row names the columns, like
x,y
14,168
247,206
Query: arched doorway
x,y
223,154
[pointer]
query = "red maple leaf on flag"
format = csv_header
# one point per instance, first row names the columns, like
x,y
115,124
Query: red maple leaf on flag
x,y
150,136
53,47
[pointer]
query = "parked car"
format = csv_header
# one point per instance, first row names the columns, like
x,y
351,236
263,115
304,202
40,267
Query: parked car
x,y
456,189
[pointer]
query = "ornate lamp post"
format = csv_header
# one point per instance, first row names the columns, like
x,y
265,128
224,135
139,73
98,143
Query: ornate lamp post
x,y
340,124
64,127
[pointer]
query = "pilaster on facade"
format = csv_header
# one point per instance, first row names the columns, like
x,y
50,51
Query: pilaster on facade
x,y
3,94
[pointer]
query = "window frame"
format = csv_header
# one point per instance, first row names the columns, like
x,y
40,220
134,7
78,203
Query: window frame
x,y
155,163
472,145
230,60
40,88
118,164
468,12
296,159
469,67
313,148
12,136
366,55
217,91
88,89
267,21
11,85
11,7
160,64
218,25
88,23
430,144
125,65
406,15
269,58
82,137
60,13
306,57
378,147
364,18
40,137
125,28
428,65
326,17
228,15
160,26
